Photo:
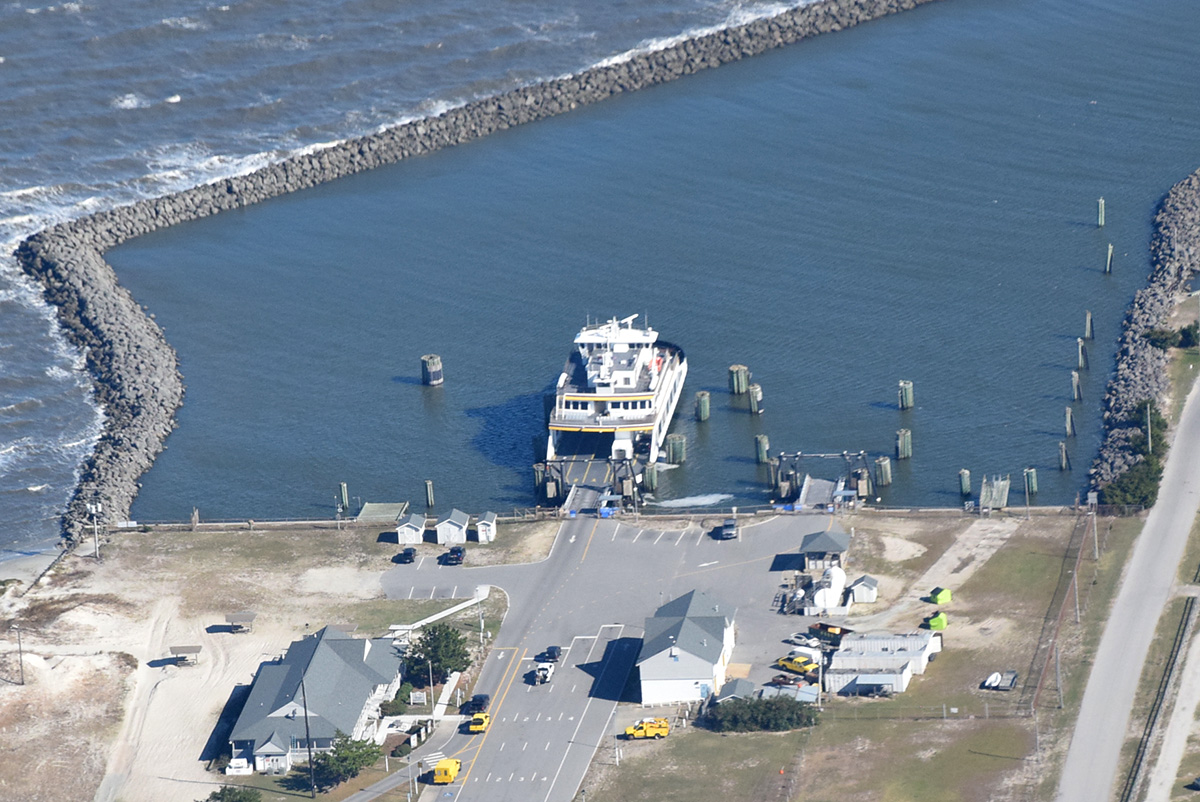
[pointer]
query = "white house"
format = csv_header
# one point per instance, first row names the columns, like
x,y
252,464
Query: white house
x,y
452,527
341,680
686,649
486,527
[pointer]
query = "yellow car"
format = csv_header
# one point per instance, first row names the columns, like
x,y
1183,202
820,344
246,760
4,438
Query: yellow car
x,y
479,722
798,663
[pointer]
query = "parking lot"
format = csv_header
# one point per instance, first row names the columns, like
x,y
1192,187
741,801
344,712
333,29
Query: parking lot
x,y
591,595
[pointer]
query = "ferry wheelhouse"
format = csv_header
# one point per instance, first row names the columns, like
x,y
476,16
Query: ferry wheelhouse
x,y
620,381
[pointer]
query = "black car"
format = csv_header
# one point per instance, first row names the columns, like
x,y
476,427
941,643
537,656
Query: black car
x,y
456,555
477,704
553,653
406,555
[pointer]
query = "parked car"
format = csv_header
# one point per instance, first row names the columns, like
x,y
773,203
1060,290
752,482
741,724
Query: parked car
x,y
479,722
553,653
802,639
728,530
786,679
407,555
456,555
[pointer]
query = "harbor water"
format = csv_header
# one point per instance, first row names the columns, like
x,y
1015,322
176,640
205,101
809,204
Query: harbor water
x,y
911,199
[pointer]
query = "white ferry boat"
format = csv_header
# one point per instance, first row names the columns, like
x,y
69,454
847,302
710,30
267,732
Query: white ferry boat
x,y
620,381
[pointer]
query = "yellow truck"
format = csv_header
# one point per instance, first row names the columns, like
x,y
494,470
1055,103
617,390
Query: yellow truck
x,y
446,771
796,662
649,728
479,722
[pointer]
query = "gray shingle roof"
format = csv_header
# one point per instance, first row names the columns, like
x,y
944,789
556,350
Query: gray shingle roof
x,y
414,520
836,540
738,689
339,675
694,623
456,517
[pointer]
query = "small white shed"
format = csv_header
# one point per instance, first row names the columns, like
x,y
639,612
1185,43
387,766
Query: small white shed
x,y
864,590
486,527
411,530
452,528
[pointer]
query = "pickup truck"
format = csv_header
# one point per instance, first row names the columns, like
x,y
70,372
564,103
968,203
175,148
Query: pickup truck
x,y
798,663
649,728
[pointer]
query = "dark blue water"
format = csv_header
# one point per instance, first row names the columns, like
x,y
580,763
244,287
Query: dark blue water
x,y
912,199
102,104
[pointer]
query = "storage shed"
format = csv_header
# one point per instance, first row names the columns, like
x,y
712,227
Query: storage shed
x,y
486,527
864,590
411,529
452,528
883,650
824,549
940,596
939,621
850,682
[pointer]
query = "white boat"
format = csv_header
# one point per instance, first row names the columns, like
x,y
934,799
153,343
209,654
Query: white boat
x,y
620,381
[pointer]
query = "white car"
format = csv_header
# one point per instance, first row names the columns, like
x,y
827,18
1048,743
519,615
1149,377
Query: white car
x,y
802,639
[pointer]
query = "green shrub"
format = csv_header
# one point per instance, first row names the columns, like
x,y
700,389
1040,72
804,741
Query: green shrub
x,y
776,714
398,704
1163,338
1189,336
402,749
234,793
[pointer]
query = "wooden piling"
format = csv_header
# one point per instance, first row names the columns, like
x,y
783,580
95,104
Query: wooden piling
x,y
1088,334
551,489
964,482
1083,354
756,397
431,370
650,477
903,444
1108,261
429,493
762,449
539,475
1070,426
739,379
863,477
676,448
703,403
1076,388
1064,459
343,496
1100,213
906,395
1031,480
883,471
773,469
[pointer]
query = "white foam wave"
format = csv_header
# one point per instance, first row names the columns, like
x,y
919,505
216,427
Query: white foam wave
x,y
173,99
705,500
737,16
281,41
36,488
130,100
185,23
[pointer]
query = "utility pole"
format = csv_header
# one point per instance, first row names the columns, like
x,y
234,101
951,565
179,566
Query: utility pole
x,y
95,508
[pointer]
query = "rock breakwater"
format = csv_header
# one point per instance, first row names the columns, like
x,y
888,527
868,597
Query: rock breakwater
x,y
1141,368
134,369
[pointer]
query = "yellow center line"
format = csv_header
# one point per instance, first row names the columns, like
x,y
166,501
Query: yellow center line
x,y
471,743
496,708
589,543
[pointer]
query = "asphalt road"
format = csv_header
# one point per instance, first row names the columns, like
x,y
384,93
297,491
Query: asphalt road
x,y
1093,759
592,595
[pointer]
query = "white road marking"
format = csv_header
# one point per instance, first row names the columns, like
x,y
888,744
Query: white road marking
x,y
502,743
660,534
432,591
573,687
560,715
454,593
485,779
681,534
705,565
420,563
411,591
639,534
547,749
511,776
699,537
526,746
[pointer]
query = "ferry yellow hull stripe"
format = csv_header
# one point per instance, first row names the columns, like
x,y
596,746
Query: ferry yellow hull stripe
x,y
608,398
649,428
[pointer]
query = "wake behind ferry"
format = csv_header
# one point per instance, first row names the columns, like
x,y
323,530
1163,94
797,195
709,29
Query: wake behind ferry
x,y
620,382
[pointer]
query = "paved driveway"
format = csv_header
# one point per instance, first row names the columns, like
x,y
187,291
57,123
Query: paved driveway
x,y
592,594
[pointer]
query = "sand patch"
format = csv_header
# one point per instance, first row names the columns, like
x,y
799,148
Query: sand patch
x,y
341,581
898,550
737,671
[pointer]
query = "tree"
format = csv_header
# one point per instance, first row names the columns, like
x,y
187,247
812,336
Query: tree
x,y
776,714
441,646
1163,338
347,759
1189,336
234,793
